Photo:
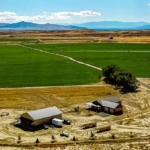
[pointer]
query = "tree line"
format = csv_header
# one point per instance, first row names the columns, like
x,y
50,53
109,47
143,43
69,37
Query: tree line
x,y
120,77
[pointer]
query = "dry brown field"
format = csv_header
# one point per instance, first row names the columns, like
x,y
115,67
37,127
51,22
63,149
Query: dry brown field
x,y
135,120
78,36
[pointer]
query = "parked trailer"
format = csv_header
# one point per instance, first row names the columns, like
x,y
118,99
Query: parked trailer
x,y
89,125
57,122
107,128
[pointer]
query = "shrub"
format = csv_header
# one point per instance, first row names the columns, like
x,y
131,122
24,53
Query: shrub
x,y
53,137
131,135
113,136
74,138
19,139
76,109
92,136
37,141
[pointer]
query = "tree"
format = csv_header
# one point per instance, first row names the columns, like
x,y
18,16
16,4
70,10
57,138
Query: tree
x,y
109,71
120,77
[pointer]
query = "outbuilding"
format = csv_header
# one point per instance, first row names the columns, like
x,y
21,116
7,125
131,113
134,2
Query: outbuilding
x,y
111,105
41,116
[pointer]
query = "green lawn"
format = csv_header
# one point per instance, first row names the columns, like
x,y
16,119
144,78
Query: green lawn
x,y
20,67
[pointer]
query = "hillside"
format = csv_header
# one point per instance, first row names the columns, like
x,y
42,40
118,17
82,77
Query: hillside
x,y
114,25
34,26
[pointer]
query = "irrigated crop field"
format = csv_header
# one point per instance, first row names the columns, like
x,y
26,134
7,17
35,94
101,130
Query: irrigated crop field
x,y
22,66
132,57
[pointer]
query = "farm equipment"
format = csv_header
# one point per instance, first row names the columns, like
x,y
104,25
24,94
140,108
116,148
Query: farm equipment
x,y
89,125
64,134
107,128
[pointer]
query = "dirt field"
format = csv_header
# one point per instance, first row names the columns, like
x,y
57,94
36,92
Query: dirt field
x,y
145,81
131,130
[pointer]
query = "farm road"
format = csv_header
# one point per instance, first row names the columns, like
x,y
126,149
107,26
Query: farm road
x,y
79,62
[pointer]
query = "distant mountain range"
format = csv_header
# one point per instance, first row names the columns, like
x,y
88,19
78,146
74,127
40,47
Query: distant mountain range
x,y
102,25
116,25
34,26
145,27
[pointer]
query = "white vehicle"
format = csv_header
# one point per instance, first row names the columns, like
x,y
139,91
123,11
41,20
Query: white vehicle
x,y
57,122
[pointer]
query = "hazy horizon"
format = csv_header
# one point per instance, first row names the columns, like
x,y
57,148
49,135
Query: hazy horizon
x,y
74,11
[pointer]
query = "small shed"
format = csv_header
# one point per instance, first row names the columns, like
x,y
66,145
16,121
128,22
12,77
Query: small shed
x,y
41,116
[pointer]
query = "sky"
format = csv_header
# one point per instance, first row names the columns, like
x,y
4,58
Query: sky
x,y
74,11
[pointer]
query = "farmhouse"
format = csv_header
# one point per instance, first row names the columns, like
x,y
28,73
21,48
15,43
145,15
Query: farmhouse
x,y
41,116
111,105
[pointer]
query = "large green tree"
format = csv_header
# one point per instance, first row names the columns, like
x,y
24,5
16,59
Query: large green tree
x,y
120,77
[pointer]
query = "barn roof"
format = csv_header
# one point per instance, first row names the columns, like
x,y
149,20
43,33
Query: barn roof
x,y
108,104
91,104
44,113
110,99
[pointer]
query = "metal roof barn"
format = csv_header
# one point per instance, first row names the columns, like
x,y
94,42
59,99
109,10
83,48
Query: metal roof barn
x,y
41,116
108,104
111,99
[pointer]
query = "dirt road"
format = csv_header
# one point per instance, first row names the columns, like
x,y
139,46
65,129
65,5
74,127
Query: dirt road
x,y
70,58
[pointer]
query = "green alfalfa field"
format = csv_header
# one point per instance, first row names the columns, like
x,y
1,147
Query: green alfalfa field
x,y
24,67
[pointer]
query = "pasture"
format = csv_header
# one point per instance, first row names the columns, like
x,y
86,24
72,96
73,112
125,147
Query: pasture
x,y
23,67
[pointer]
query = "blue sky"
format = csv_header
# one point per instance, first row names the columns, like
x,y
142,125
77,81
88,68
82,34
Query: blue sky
x,y
74,11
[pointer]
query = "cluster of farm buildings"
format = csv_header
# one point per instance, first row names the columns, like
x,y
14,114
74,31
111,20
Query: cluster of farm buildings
x,y
32,119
